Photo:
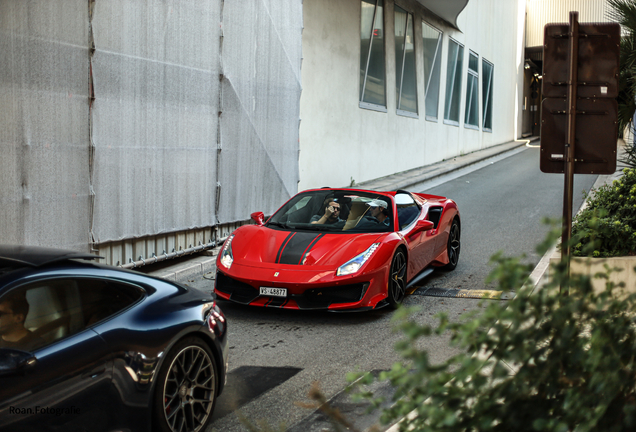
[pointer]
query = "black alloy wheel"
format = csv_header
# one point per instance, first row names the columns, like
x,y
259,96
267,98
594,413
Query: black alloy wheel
x,y
453,247
397,279
186,388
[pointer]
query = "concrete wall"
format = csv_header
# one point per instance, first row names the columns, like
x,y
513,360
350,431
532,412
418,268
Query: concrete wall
x,y
542,12
340,141
134,128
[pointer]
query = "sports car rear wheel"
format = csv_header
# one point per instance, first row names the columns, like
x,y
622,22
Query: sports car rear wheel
x,y
453,247
397,279
186,388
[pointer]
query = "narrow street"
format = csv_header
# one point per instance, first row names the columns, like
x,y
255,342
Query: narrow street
x,y
276,355
143,142
502,208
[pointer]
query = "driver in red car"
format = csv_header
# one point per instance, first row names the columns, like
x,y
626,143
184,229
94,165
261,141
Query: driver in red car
x,y
331,214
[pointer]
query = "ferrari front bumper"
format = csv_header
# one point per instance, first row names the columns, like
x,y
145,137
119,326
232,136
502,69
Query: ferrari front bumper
x,y
305,289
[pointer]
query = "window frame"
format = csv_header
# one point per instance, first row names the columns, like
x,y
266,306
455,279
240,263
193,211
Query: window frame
x,y
320,195
487,101
472,78
437,57
33,284
447,105
138,286
398,206
361,103
409,19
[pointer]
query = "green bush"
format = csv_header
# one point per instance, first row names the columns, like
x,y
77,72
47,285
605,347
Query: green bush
x,y
629,155
624,12
573,356
607,226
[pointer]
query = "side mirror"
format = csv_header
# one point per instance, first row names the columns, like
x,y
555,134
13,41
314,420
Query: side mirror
x,y
13,360
258,217
423,225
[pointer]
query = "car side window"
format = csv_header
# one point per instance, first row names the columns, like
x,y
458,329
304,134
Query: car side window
x,y
407,209
44,312
102,299
39,314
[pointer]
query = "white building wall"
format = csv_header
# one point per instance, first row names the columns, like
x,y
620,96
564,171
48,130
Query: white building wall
x,y
542,12
340,141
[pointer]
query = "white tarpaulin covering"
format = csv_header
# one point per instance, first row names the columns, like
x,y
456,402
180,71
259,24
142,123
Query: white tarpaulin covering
x,y
260,106
122,141
155,75
44,193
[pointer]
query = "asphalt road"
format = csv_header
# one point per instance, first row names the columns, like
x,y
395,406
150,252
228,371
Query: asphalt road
x,y
502,208
276,355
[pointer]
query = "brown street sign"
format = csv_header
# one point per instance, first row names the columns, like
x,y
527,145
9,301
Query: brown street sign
x,y
581,99
596,136
597,65
578,116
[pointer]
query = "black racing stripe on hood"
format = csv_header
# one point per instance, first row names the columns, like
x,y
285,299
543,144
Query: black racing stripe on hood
x,y
282,246
311,245
293,252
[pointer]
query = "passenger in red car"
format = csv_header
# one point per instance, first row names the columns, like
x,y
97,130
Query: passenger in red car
x,y
379,211
331,214
378,214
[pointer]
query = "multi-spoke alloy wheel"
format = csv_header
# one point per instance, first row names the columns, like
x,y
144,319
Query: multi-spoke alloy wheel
x,y
187,388
453,247
397,279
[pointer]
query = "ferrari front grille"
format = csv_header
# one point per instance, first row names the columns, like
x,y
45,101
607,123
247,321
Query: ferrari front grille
x,y
239,292
313,298
319,298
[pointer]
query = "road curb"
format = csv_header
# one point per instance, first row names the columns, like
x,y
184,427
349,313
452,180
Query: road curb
x,y
409,178
540,273
542,277
193,267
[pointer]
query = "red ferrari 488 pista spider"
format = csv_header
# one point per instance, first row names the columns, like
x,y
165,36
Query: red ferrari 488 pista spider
x,y
339,249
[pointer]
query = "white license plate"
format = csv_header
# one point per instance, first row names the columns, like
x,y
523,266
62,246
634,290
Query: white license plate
x,y
274,292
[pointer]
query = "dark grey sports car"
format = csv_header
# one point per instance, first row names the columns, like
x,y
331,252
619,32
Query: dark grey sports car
x,y
89,347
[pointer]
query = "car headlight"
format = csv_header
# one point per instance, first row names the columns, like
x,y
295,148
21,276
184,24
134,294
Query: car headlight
x,y
356,263
226,253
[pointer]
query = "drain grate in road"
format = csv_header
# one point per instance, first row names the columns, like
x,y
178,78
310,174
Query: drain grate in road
x,y
437,292
458,293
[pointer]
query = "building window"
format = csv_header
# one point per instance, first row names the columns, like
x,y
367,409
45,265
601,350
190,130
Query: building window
x,y
486,93
432,43
372,73
471,119
453,82
406,79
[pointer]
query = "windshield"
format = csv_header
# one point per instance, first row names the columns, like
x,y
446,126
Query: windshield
x,y
336,211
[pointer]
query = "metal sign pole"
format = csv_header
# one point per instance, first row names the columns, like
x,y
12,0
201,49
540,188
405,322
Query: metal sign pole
x,y
569,144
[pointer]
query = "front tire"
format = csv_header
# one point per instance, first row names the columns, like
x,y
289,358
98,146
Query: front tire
x,y
186,388
453,246
397,279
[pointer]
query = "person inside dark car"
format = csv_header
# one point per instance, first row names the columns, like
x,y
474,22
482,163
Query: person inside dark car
x,y
13,334
330,213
